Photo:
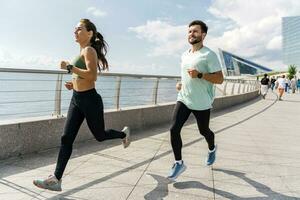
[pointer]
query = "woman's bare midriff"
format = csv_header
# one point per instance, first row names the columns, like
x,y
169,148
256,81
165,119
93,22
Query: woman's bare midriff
x,y
81,85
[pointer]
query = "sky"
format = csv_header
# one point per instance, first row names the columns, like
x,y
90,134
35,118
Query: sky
x,y
144,36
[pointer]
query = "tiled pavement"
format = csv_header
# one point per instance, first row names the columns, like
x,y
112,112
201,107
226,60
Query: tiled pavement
x,y
257,158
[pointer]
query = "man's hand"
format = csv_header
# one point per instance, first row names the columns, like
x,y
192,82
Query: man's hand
x,y
69,85
63,64
193,73
178,86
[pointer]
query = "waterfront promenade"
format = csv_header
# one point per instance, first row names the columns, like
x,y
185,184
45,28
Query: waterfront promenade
x,y
257,158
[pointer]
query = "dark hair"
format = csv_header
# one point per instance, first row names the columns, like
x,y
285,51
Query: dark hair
x,y
97,42
203,26
265,75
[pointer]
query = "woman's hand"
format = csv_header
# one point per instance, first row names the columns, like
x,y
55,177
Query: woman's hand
x,y
69,85
63,64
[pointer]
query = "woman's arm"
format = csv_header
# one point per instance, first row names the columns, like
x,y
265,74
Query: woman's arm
x,y
91,60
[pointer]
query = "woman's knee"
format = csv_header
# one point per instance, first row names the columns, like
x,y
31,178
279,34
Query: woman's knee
x,y
100,138
66,140
99,135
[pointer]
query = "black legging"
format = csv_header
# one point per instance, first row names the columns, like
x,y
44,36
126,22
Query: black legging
x,y
88,105
180,115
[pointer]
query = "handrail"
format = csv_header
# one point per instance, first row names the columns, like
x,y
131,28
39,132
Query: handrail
x,y
136,89
40,71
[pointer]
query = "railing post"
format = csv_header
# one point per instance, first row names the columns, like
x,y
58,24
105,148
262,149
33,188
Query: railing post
x,y
225,87
57,100
239,88
232,89
155,91
248,86
253,85
117,94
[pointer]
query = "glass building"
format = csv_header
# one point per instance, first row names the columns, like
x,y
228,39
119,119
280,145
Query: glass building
x,y
291,40
234,65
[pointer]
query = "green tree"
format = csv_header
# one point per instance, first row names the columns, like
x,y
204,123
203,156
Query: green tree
x,y
292,70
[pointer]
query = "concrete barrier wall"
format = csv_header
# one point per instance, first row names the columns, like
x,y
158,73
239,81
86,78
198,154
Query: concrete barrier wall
x,y
21,137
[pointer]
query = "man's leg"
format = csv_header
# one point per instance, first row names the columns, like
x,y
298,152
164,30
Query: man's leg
x,y
203,118
180,115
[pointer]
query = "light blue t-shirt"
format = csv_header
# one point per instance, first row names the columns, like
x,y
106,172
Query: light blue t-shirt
x,y
195,93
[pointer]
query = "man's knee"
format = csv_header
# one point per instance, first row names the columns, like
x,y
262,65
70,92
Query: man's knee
x,y
175,130
206,132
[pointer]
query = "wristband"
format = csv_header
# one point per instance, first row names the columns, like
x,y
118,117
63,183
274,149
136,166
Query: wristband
x,y
69,68
200,75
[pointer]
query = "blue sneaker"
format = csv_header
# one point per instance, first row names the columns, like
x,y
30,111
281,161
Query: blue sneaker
x,y
176,170
211,157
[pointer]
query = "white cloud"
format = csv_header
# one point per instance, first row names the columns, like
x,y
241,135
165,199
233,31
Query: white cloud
x,y
257,30
179,6
271,63
168,39
124,66
96,12
7,59
275,43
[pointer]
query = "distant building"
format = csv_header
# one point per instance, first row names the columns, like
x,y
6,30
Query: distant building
x,y
291,40
234,65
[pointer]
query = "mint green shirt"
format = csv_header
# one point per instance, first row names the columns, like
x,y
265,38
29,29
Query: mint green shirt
x,y
195,93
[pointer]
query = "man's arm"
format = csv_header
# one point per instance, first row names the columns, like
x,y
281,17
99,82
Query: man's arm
x,y
215,77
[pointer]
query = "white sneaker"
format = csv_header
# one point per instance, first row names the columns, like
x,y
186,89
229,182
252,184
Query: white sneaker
x,y
126,141
50,183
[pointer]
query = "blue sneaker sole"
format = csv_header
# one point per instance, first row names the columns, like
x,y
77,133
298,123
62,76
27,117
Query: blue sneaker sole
x,y
180,172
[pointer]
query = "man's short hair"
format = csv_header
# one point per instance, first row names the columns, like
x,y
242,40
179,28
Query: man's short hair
x,y
203,26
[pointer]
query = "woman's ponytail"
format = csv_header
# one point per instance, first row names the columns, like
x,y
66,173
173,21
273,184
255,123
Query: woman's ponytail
x,y
99,44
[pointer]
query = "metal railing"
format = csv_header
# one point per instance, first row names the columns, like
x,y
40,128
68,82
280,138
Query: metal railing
x,y
27,90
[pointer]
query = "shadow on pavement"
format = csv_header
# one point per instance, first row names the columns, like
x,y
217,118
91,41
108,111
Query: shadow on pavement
x,y
265,190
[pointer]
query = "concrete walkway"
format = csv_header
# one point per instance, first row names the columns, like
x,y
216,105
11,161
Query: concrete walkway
x,y
258,158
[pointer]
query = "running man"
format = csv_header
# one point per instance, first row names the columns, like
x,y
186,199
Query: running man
x,y
200,69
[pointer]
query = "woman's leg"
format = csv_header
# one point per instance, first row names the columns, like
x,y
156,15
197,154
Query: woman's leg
x,y
281,90
73,122
93,111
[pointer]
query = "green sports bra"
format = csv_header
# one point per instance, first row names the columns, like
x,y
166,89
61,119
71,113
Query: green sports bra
x,y
79,63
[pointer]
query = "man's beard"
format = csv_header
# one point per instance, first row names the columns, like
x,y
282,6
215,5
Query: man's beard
x,y
197,40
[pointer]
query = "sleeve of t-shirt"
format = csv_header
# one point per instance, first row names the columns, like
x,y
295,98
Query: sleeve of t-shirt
x,y
213,63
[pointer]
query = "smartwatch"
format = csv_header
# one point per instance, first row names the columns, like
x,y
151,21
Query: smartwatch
x,y
69,68
200,75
